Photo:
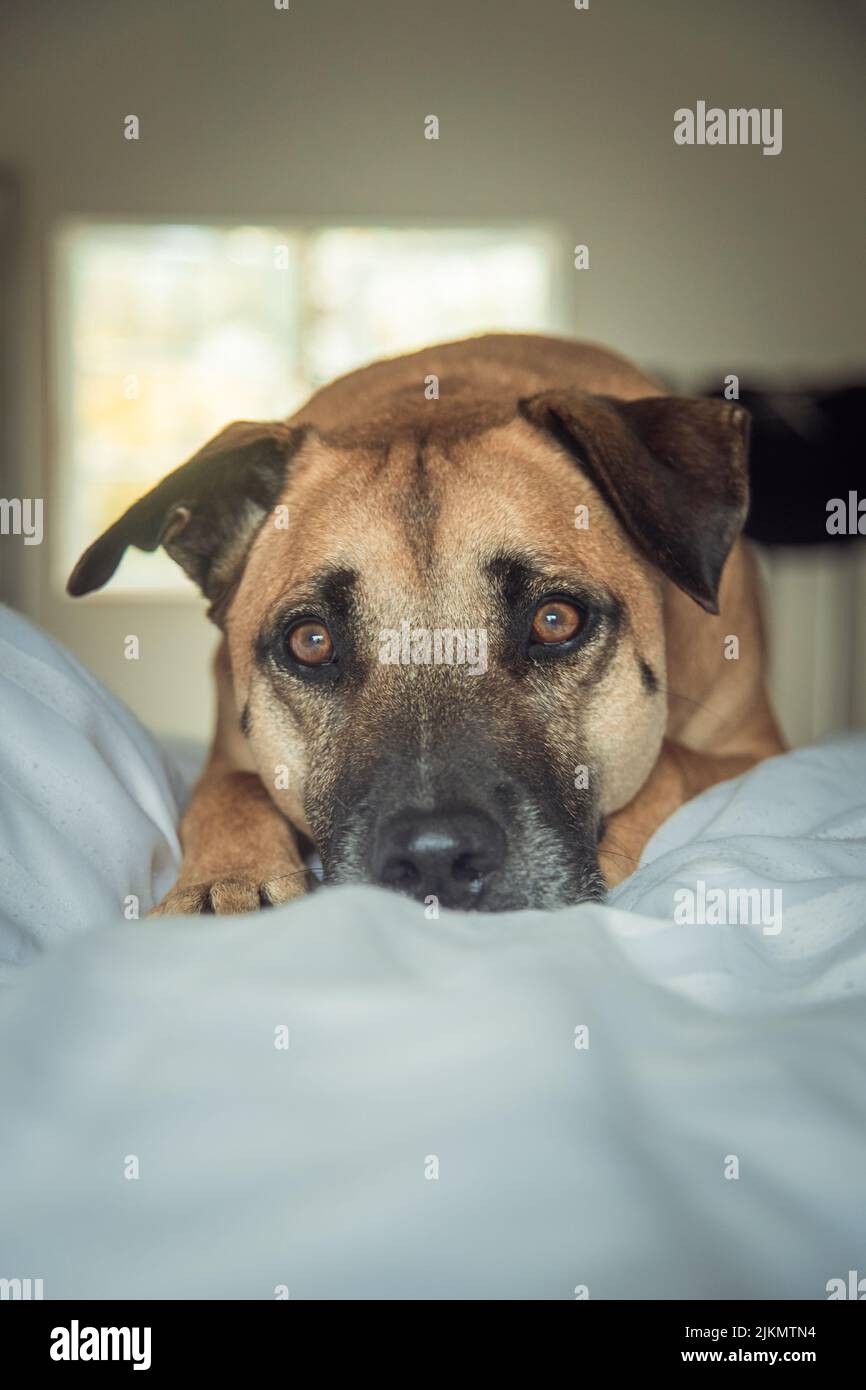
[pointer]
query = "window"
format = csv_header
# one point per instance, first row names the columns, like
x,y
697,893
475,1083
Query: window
x,y
166,333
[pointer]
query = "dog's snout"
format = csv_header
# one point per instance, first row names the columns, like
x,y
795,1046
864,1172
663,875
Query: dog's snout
x,y
449,855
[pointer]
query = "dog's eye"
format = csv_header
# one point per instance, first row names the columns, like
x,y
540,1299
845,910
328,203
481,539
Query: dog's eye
x,y
311,644
555,622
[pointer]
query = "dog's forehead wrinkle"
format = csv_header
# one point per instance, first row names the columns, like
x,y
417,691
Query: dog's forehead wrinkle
x,y
417,503
425,511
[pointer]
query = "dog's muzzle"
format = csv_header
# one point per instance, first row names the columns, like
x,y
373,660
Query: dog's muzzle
x,y
470,829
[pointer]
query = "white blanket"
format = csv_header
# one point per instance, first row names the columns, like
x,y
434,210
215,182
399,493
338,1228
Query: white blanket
x,y
599,1101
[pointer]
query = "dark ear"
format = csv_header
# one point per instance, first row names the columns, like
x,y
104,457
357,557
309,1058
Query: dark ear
x,y
673,470
205,513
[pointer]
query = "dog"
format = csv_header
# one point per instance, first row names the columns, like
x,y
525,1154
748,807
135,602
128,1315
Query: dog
x,y
540,491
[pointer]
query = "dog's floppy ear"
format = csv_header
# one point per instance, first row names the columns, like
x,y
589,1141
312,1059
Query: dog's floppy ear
x,y
205,513
673,470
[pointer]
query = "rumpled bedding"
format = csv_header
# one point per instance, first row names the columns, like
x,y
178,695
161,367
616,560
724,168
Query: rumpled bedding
x,y
344,1099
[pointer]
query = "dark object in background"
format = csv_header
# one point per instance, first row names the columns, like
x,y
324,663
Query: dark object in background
x,y
806,448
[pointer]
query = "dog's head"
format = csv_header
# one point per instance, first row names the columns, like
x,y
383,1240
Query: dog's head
x,y
446,628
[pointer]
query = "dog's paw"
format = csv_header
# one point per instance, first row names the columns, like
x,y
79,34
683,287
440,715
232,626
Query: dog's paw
x,y
225,897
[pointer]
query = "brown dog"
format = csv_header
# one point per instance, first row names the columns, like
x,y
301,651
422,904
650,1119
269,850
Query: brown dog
x,y
532,499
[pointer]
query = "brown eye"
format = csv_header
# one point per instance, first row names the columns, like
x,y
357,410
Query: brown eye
x,y
311,644
554,622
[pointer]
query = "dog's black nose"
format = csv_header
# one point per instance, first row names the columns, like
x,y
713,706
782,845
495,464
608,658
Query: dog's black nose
x,y
449,854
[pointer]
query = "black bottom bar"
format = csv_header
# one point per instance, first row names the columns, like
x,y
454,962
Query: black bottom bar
x,y
166,1338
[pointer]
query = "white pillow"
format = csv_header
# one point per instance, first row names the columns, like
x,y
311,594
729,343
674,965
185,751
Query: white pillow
x,y
88,803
